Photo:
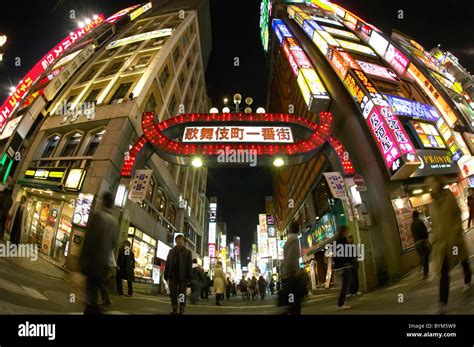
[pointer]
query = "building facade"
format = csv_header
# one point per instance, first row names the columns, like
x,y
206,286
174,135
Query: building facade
x,y
146,58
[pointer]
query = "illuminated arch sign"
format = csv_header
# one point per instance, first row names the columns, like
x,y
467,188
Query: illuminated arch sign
x,y
168,138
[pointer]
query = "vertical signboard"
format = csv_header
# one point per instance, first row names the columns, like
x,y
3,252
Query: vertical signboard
x,y
140,184
211,248
262,235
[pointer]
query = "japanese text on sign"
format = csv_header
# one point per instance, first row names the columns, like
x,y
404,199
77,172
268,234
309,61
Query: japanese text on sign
x,y
238,134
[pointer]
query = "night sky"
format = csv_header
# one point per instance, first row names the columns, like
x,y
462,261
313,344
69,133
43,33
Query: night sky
x,y
34,27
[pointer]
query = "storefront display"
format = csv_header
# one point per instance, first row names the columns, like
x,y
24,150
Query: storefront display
x,y
403,213
426,135
83,209
144,249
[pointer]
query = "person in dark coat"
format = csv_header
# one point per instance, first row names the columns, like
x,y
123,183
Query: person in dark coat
x,y
198,280
125,268
206,287
244,288
354,285
178,272
234,289
228,289
17,224
343,264
99,241
420,235
6,203
272,286
262,287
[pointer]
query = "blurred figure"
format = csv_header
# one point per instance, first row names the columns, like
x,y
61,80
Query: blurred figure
x,y
206,287
6,203
243,288
103,286
220,283
470,204
272,286
17,221
422,244
262,287
354,285
253,286
228,289
448,242
234,289
198,280
100,240
125,268
178,272
293,285
343,265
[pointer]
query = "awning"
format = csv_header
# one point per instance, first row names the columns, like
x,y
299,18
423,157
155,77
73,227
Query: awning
x,y
56,186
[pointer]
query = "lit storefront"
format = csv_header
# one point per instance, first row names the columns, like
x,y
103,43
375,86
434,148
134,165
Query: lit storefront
x,y
144,249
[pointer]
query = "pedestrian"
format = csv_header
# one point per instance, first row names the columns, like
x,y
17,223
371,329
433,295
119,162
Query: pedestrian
x,y
253,287
293,285
243,288
448,244
99,241
234,289
220,283
343,265
272,286
206,287
262,287
228,289
198,280
17,221
178,272
354,285
111,267
6,203
125,268
470,204
422,244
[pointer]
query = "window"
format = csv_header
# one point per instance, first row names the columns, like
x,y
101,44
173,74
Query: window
x,y
121,91
94,143
89,74
165,75
71,146
92,95
176,56
112,68
184,39
150,105
172,105
110,52
142,62
51,146
155,43
160,200
132,47
171,214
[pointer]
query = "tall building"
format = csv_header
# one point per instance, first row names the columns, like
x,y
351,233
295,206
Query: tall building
x,y
74,132
394,123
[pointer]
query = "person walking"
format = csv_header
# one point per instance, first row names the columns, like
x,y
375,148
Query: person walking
x,y
262,287
292,276
100,240
178,272
125,268
470,204
354,285
343,265
228,289
198,280
448,244
422,244
272,286
206,287
253,287
6,203
243,288
220,283
17,223
234,289
111,267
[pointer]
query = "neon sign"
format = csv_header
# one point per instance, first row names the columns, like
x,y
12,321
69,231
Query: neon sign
x,y
48,60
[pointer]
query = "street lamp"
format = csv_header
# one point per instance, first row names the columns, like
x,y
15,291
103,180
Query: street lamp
x,y
237,101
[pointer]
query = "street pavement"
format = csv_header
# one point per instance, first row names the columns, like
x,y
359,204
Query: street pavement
x,y
40,287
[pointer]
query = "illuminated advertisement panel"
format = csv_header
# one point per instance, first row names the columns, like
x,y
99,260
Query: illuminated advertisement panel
x,y
320,42
48,60
265,8
326,20
406,107
328,38
426,135
396,59
281,30
237,134
378,43
115,17
341,33
140,37
348,60
446,111
309,27
378,71
262,236
337,62
304,89
300,59
356,47
137,13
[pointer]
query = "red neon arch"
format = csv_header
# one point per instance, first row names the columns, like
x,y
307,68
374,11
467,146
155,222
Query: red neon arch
x,y
153,134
